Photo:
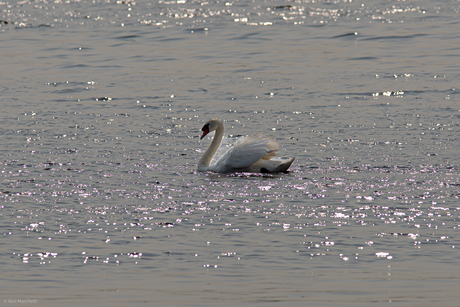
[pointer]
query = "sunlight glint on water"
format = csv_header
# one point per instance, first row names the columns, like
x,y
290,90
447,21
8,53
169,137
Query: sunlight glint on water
x,y
102,106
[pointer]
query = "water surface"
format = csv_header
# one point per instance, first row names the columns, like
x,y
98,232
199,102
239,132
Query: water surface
x,y
102,105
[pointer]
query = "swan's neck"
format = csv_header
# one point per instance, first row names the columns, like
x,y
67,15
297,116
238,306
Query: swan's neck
x,y
203,164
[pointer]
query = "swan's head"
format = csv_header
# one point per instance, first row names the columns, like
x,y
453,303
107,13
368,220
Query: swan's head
x,y
210,126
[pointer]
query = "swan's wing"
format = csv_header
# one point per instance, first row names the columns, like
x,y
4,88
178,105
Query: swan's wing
x,y
272,148
248,151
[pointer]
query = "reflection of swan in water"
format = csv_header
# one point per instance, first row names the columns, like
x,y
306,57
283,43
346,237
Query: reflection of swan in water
x,y
253,153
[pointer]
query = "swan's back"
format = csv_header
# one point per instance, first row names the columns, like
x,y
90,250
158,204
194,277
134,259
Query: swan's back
x,y
252,154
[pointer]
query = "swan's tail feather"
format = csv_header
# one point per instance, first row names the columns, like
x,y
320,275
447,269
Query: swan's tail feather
x,y
283,167
272,166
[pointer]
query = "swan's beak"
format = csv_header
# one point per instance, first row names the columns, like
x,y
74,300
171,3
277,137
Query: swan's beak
x,y
205,131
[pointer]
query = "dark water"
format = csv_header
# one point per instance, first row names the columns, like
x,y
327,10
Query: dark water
x,y
102,103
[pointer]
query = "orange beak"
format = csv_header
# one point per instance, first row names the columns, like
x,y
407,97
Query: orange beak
x,y
205,131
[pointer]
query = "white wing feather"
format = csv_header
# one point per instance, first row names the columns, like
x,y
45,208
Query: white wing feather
x,y
246,152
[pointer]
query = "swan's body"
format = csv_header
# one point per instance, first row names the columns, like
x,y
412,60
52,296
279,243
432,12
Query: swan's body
x,y
253,153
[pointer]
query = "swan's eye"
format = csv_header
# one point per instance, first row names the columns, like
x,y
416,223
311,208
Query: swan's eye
x,y
205,128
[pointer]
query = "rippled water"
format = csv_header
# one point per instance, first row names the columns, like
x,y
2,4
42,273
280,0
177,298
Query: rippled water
x,y
102,103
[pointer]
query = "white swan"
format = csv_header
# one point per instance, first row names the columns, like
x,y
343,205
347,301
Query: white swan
x,y
253,153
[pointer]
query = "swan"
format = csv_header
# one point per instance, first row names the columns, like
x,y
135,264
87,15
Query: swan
x,y
252,154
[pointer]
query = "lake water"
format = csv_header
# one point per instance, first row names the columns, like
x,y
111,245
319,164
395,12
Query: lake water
x,y
102,106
